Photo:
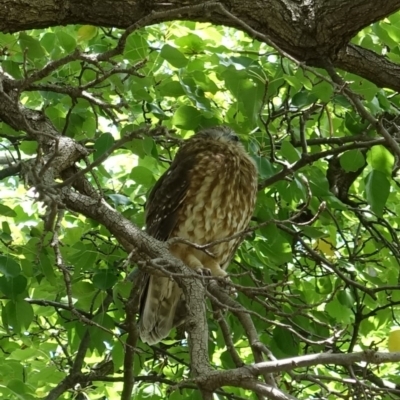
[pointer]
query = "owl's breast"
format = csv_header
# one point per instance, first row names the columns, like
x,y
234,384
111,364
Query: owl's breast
x,y
219,201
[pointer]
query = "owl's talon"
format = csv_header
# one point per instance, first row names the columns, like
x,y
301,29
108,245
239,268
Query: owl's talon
x,y
229,288
203,271
233,292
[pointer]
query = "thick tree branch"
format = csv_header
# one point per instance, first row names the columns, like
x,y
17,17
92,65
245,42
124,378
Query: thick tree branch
x,y
308,31
339,18
237,376
366,63
135,239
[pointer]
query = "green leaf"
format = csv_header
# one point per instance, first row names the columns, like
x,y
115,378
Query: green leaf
x,y
278,250
105,279
118,354
31,46
7,211
285,341
29,148
323,91
24,313
9,267
83,256
346,298
290,152
365,88
136,47
23,354
318,182
47,41
48,374
354,124
377,188
324,285
339,313
393,32
103,144
227,361
312,232
173,56
74,128
67,42
47,269
352,160
142,176
10,317
171,89
56,115
83,289
293,81
18,387
264,166
99,336
13,286
87,32
156,111
6,227
191,41
12,68
303,99
89,126
303,79
148,145
381,159
186,117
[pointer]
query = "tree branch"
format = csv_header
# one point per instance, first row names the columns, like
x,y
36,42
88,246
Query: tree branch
x,y
366,63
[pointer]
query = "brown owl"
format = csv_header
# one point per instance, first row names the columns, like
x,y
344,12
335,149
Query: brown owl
x,y
208,193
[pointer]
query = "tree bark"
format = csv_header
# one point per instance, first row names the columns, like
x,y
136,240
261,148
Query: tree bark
x,y
310,31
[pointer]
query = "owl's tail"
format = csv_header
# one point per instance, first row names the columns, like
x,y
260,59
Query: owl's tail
x,y
158,309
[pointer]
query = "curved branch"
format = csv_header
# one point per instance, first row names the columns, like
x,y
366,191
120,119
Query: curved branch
x,y
366,63
238,376
12,170
353,17
306,30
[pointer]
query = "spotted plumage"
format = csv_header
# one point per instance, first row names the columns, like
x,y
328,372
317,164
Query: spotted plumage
x,y
208,193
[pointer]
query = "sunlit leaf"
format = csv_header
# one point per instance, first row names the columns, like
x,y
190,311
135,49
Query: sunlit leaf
x,y
9,266
173,56
87,32
7,211
381,159
377,189
186,117
66,41
352,160
31,46
103,144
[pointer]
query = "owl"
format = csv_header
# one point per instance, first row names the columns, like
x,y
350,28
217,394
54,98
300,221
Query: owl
x,y
208,193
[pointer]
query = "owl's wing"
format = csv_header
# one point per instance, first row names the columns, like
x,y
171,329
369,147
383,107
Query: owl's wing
x,y
162,295
166,198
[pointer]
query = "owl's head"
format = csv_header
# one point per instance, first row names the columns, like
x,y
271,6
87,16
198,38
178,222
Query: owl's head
x,y
220,133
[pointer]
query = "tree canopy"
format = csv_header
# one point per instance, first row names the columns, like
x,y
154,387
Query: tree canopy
x,y
95,100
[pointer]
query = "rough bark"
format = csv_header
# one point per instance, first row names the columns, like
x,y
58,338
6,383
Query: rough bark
x,y
310,31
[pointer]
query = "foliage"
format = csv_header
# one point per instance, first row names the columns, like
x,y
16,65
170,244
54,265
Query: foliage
x,y
320,270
